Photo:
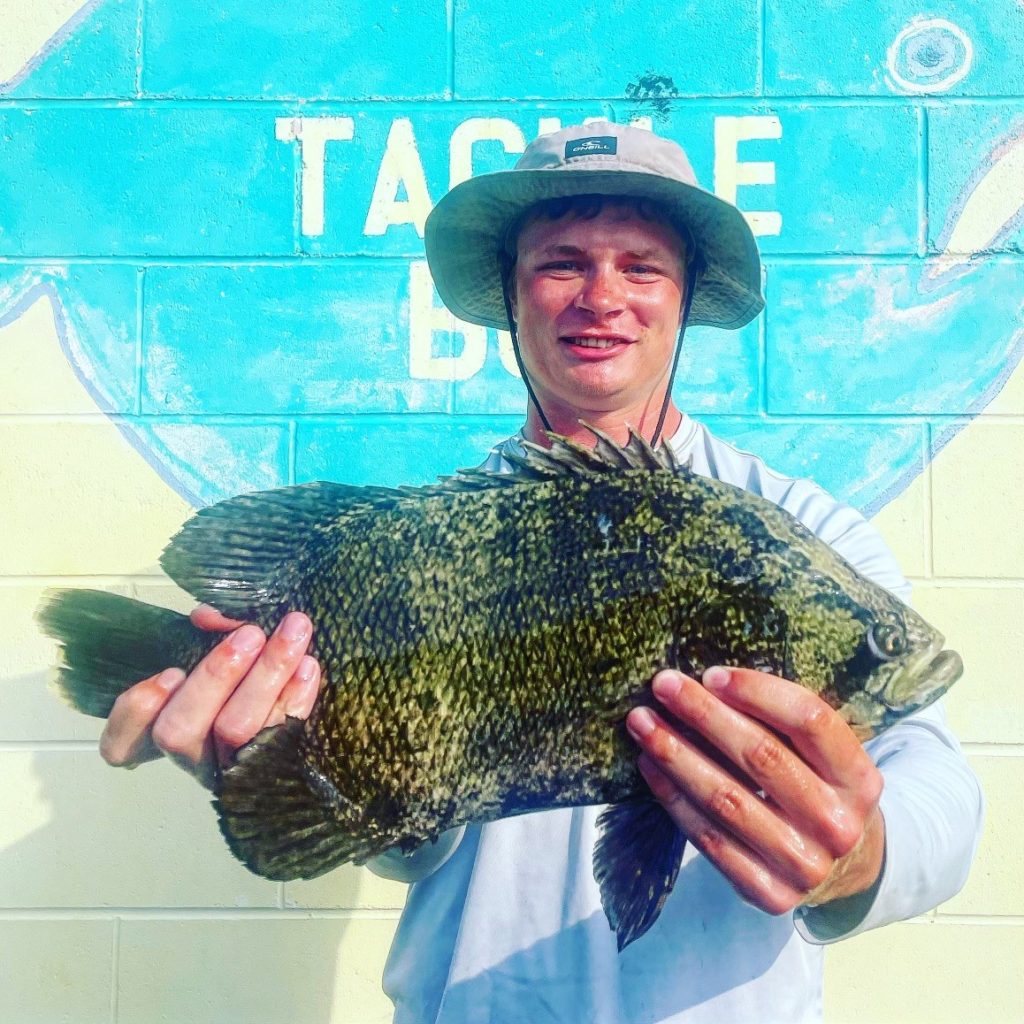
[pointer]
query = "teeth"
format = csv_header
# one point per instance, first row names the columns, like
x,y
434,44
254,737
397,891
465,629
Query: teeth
x,y
594,342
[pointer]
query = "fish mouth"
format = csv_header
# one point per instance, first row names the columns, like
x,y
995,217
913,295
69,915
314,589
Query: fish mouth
x,y
927,677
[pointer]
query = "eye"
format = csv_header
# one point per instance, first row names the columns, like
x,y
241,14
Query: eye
x,y
887,640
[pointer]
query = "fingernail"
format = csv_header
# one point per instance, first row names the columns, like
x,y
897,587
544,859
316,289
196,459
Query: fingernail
x,y
170,679
247,639
293,626
307,669
640,722
716,677
300,701
666,685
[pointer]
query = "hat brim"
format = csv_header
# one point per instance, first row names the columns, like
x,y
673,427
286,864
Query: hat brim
x,y
465,233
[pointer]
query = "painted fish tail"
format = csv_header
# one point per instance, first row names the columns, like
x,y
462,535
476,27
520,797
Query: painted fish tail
x,y
110,642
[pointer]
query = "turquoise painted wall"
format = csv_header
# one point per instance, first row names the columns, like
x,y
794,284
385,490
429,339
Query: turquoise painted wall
x,y
227,207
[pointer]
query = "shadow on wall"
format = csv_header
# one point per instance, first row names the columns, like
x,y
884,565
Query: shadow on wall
x,y
143,847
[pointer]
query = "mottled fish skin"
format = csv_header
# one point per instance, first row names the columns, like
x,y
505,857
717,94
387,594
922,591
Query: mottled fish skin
x,y
486,662
482,640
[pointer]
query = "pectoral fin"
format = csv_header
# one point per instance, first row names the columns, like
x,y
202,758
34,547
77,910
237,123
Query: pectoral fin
x,y
636,861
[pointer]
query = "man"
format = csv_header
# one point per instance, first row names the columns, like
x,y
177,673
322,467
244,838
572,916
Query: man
x,y
596,251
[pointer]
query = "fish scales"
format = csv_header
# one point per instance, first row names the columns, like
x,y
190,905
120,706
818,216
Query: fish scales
x,y
537,607
483,639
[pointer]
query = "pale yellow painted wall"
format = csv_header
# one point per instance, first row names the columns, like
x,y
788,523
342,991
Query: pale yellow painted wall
x,y
26,27
957,530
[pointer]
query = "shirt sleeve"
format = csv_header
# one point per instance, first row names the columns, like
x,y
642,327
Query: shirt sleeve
x,y
932,803
933,807
415,866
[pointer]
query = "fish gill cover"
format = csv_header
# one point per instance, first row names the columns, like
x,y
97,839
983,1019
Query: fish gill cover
x,y
230,233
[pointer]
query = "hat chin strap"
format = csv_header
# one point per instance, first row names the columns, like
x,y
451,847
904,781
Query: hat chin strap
x,y
691,284
506,275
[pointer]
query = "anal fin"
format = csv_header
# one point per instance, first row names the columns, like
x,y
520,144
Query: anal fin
x,y
280,818
636,861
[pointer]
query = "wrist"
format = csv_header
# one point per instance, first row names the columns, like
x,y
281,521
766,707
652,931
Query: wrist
x,y
857,872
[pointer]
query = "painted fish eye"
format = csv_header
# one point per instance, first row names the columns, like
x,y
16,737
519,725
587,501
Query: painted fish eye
x,y
887,640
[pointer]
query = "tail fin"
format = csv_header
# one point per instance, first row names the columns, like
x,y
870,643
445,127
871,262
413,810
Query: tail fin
x,y
110,642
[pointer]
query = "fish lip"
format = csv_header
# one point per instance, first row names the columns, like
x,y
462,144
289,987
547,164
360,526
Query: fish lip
x,y
944,668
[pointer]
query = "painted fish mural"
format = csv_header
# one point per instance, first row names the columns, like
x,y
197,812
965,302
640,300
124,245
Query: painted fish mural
x,y
189,233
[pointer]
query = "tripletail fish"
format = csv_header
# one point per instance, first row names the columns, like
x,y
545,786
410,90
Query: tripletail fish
x,y
482,640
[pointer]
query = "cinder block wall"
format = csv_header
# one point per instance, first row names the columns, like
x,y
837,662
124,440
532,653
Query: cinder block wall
x,y
211,281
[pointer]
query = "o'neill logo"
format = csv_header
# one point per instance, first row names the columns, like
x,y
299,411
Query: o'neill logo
x,y
603,144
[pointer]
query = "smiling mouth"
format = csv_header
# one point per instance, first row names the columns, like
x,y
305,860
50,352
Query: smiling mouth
x,y
585,342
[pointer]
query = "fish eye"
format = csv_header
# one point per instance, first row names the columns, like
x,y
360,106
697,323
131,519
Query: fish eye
x,y
887,640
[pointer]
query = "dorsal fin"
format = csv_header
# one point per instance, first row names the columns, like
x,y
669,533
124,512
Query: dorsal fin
x,y
606,456
244,554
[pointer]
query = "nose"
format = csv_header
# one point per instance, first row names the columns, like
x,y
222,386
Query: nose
x,y
601,291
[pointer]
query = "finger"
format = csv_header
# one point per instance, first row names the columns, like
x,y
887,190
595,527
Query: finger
x,y
817,732
722,799
205,771
125,741
183,727
207,617
249,706
756,752
749,875
299,694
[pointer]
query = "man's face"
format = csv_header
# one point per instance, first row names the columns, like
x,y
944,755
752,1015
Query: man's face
x,y
598,305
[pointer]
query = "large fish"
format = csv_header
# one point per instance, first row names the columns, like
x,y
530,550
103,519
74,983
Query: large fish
x,y
483,638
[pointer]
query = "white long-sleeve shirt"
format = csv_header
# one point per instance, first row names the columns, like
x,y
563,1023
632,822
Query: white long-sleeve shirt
x,y
504,922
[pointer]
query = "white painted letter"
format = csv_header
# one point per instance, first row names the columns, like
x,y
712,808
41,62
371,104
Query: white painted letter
x,y
312,135
477,129
508,357
425,319
730,172
399,165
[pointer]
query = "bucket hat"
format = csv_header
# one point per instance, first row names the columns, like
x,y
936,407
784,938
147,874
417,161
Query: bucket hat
x,y
467,230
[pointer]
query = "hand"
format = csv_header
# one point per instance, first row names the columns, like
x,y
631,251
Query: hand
x,y
199,720
788,824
